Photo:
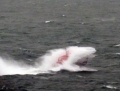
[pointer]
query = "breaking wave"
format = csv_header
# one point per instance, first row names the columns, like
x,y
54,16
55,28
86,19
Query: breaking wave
x,y
71,58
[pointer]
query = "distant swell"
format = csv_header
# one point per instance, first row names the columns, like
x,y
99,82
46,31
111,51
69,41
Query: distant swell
x,y
48,62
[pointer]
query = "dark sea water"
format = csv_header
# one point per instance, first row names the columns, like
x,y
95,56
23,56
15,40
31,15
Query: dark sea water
x,y
28,28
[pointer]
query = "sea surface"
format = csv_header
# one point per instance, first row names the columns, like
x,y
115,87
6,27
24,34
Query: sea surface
x,y
28,28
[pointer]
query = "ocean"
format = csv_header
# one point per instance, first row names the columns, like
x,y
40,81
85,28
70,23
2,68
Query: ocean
x,y
29,28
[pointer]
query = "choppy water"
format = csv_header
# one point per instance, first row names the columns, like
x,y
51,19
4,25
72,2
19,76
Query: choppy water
x,y
28,28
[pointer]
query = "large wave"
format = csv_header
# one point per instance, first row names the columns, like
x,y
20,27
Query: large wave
x,y
71,58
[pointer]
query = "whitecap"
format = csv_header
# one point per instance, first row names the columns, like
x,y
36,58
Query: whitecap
x,y
49,62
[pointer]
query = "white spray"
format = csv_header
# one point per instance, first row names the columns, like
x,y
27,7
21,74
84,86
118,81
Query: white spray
x,y
48,62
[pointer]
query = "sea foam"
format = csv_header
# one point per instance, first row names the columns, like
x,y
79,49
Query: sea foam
x,y
48,62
